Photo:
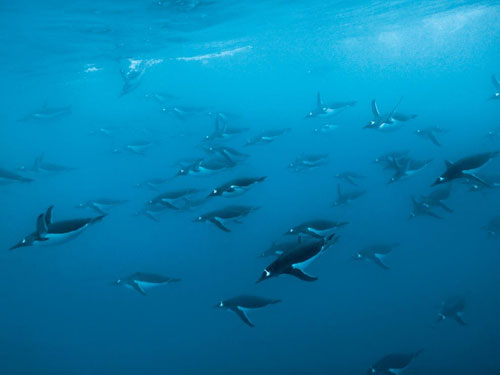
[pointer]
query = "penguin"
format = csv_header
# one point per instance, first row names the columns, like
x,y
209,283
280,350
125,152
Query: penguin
x,y
207,167
151,211
375,253
184,112
241,304
435,198
141,281
387,122
496,85
465,168
316,228
40,165
227,152
229,213
102,206
306,162
7,177
344,198
327,128
47,114
406,167
493,227
137,148
278,248
267,136
453,308
152,184
493,134
132,76
172,199
294,262
349,177
421,209
222,131
236,187
393,364
161,97
492,181
429,133
323,110
386,160
54,233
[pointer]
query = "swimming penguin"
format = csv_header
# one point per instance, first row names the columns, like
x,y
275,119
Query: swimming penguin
x,y
326,128
230,213
171,199
184,112
436,198
375,253
241,304
222,131
346,197
429,133
267,136
141,281
152,211
153,183
309,161
132,75
405,167
421,209
40,165
393,364
496,84
493,227
226,151
294,262
47,114
161,97
138,148
207,167
466,168
8,177
49,233
102,206
316,228
278,248
386,160
387,122
453,308
328,109
236,187
349,177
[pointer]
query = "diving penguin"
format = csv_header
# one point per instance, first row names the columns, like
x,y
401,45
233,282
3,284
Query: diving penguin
x,y
53,233
453,308
346,197
375,253
102,206
316,228
236,187
141,281
496,84
241,304
8,177
230,213
393,364
328,109
387,122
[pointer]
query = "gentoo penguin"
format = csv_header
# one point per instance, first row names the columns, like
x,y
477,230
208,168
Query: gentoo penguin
x,y
53,233
236,187
496,84
309,161
230,213
405,167
327,128
132,75
421,209
493,227
8,177
241,304
184,112
465,168
141,281
40,165
222,130
429,133
346,197
328,109
453,308
393,364
267,136
102,206
436,198
138,147
294,262
172,199
47,113
386,159
316,228
375,253
226,151
387,122
349,177
203,167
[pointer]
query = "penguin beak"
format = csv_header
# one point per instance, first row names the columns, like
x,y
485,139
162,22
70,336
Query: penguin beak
x,y
264,276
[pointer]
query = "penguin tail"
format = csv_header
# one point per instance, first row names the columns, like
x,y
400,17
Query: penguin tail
x,y
418,352
274,301
98,218
260,179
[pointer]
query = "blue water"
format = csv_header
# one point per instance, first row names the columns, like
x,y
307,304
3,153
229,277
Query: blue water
x,y
260,64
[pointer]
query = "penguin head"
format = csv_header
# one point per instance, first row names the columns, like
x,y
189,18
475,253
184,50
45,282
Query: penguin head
x,y
357,256
411,215
117,282
215,193
440,180
291,231
199,219
265,275
26,241
182,172
371,124
220,305
310,114
441,317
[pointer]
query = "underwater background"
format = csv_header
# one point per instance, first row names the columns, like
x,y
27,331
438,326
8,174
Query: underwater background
x,y
118,92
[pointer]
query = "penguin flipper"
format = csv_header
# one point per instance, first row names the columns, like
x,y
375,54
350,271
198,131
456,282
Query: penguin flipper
x,y
434,140
459,320
48,215
241,314
41,227
138,288
432,214
475,178
300,274
495,82
379,263
445,207
375,110
219,225
151,216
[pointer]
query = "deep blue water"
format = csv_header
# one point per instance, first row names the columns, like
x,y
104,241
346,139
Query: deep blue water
x,y
260,65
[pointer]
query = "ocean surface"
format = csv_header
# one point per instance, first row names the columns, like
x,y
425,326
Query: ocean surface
x,y
110,104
